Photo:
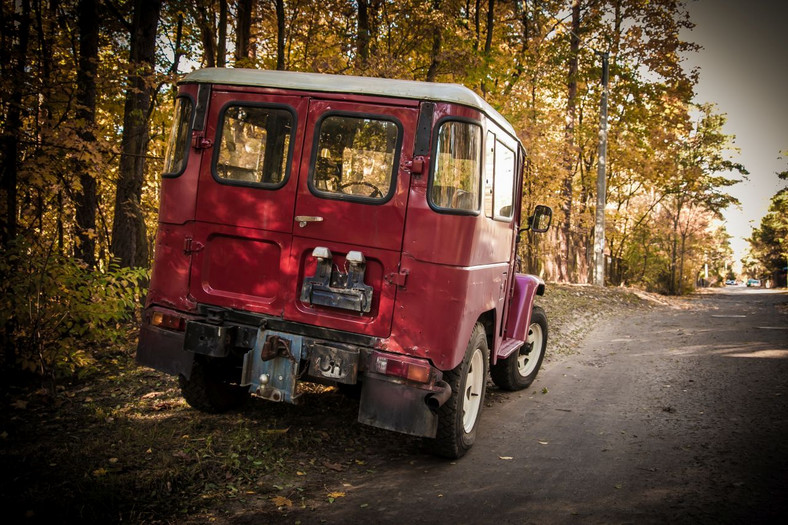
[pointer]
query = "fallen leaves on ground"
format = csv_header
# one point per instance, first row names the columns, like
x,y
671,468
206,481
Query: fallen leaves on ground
x,y
334,495
281,501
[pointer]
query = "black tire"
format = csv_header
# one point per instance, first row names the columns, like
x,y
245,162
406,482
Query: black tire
x,y
458,417
209,390
519,370
351,391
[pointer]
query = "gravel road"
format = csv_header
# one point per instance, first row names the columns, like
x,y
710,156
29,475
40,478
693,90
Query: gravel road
x,y
671,415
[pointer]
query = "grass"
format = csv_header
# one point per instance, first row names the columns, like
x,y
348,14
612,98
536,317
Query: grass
x,y
125,447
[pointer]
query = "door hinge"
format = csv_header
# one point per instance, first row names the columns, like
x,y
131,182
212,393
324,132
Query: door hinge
x,y
399,279
200,142
191,246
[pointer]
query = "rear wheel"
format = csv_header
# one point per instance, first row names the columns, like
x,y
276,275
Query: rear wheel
x,y
519,370
459,416
208,389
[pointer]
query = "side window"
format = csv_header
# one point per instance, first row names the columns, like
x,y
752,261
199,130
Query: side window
x,y
489,172
504,181
457,173
178,144
254,145
355,158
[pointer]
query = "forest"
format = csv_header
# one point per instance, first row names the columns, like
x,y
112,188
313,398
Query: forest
x,y
88,89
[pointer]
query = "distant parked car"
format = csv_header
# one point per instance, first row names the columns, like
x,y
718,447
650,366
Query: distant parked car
x,y
730,282
753,282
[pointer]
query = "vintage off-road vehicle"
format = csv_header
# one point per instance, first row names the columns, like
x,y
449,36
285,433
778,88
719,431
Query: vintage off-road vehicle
x,y
343,230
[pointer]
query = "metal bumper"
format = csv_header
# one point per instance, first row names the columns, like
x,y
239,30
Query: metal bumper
x,y
275,360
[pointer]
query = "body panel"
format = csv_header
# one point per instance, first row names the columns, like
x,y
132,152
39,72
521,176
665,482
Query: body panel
x,y
272,267
437,309
169,284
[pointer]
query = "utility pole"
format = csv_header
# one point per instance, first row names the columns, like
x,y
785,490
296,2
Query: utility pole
x,y
601,182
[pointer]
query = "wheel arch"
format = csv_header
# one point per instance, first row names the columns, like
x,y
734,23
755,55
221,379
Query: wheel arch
x,y
487,320
526,287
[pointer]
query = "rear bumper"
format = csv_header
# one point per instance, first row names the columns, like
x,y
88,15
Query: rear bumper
x,y
276,355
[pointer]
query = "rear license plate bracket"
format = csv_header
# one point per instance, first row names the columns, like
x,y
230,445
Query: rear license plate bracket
x,y
333,363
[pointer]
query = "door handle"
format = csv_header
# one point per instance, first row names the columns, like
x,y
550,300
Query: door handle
x,y
302,220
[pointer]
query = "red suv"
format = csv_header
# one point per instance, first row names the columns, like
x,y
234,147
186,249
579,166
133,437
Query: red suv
x,y
348,231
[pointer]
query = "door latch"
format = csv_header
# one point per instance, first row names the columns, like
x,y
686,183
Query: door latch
x,y
399,279
191,246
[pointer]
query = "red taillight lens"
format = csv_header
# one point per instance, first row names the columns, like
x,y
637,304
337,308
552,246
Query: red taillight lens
x,y
404,367
168,321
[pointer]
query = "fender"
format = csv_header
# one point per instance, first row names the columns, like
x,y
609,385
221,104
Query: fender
x,y
525,288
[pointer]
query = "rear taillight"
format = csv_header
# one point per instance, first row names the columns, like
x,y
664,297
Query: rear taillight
x,y
404,367
168,321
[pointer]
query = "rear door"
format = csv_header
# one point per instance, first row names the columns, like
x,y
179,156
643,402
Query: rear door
x,y
352,196
286,175
245,201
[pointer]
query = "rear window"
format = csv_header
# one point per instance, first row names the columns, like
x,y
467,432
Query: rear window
x,y
178,144
355,158
254,145
456,182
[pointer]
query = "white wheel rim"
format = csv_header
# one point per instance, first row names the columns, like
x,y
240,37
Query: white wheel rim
x,y
472,397
529,355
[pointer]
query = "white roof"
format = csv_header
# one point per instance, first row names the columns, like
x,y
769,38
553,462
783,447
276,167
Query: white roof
x,y
410,89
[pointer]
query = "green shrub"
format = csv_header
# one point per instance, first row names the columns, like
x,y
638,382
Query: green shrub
x,y
57,315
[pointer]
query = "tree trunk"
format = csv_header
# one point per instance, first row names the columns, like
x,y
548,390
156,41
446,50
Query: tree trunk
x,y
280,35
13,66
490,25
176,59
477,25
362,36
569,152
13,125
674,251
432,72
205,22
129,239
488,42
87,66
243,33
521,57
680,285
221,44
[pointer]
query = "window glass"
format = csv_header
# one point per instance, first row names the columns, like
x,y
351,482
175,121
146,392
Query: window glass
x,y
355,156
504,181
178,143
458,154
254,145
489,172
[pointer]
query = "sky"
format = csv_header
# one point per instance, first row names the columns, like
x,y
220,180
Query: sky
x,y
744,70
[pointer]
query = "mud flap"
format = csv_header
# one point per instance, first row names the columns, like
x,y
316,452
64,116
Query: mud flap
x,y
396,406
271,368
163,350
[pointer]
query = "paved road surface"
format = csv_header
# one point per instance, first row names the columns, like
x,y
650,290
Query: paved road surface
x,y
668,416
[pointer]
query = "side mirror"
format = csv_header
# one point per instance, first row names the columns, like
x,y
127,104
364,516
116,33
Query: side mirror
x,y
540,221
